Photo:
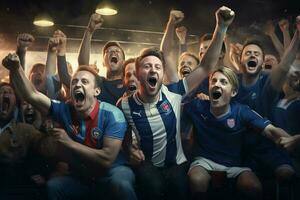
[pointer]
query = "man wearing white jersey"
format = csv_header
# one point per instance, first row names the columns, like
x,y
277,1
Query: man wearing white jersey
x,y
153,113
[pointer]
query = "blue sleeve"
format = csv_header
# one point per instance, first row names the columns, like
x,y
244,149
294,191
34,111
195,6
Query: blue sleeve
x,y
252,119
178,88
115,124
57,109
62,68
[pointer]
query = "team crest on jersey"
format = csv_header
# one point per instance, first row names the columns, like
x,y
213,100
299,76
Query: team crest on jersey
x,y
96,133
165,107
230,123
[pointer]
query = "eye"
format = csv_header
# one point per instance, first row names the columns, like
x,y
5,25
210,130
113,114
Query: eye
x,y
189,63
158,66
74,81
84,81
224,82
248,53
256,53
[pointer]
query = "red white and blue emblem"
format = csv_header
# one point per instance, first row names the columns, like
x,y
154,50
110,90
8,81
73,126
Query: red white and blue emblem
x,y
230,123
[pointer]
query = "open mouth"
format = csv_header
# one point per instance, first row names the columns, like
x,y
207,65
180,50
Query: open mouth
x,y
152,81
185,71
5,104
132,88
252,64
114,59
79,97
216,95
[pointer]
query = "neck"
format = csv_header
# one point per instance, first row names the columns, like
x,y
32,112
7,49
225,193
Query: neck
x,y
146,98
86,113
113,75
249,80
218,111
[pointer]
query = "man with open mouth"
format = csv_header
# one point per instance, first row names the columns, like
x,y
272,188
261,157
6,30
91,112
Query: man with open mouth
x,y
130,81
219,126
255,87
91,137
113,58
187,63
153,112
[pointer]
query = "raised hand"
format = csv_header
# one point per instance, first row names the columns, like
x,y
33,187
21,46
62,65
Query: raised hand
x,y
176,16
53,43
269,28
284,25
11,62
62,41
24,40
95,23
181,33
224,16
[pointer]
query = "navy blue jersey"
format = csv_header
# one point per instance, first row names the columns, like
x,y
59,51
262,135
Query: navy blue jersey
x,y
111,91
220,139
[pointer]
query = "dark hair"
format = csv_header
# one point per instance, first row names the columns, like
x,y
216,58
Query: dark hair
x,y
110,44
152,51
191,55
36,66
126,62
253,42
98,80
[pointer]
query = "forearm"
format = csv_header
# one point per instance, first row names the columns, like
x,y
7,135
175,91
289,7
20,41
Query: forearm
x,y
278,75
21,52
277,44
167,47
51,63
211,57
90,156
286,39
85,48
64,76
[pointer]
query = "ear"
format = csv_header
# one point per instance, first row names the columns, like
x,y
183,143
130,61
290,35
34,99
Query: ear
x,y
97,91
233,93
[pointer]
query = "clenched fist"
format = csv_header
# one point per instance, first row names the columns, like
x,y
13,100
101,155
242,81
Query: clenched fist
x,y
24,40
11,62
176,16
224,16
95,23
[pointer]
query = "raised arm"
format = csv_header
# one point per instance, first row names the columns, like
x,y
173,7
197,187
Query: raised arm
x,y
167,46
24,41
278,75
51,56
62,67
24,86
181,33
284,27
224,17
95,23
270,31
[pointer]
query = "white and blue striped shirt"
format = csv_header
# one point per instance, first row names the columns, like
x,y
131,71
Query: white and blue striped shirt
x,y
157,125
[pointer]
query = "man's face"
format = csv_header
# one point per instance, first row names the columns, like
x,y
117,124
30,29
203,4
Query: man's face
x,y
7,102
38,78
203,48
113,59
130,79
187,64
252,60
83,90
150,74
220,90
29,112
293,79
270,62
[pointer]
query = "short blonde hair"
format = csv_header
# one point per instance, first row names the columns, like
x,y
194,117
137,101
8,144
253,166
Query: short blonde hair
x,y
230,75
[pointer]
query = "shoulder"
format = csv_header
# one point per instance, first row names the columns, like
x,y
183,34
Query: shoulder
x,y
112,111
